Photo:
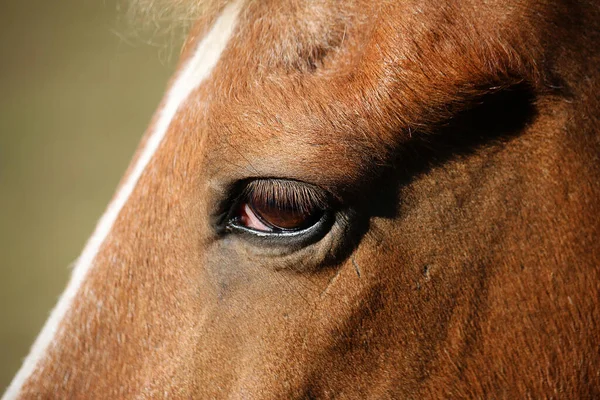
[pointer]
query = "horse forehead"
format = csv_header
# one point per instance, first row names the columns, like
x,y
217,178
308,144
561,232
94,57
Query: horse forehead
x,y
274,67
301,69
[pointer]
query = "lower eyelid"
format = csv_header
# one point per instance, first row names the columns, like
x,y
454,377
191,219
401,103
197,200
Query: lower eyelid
x,y
288,240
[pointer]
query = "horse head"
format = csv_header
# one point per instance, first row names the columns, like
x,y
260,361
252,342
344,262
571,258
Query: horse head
x,y
358,199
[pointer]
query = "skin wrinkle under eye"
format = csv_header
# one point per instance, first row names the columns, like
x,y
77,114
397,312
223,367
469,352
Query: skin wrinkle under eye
x,y
198,68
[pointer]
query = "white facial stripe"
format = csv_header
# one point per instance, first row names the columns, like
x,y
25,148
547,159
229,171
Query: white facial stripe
x,y
198,68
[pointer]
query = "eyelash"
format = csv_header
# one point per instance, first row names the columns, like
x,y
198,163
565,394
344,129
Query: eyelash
x,y
284,194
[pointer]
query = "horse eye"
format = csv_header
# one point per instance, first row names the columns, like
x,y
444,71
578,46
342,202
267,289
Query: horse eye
x,y
279,206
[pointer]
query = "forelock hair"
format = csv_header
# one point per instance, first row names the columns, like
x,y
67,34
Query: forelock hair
x,y
171,15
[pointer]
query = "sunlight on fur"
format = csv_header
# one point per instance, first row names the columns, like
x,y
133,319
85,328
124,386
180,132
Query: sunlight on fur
x,y
169,14
163,24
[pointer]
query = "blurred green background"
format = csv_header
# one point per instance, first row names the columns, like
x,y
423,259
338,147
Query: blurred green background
x,y
77,91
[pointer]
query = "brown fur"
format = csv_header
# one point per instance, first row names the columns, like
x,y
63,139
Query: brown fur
x,y
462,141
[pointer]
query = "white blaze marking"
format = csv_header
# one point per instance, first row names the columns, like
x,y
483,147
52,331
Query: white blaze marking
x,y
197,69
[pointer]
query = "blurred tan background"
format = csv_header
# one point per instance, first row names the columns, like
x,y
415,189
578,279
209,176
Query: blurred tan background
x,y
77,91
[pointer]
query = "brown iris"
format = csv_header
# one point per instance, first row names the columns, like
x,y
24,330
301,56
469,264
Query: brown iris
x,y
278,205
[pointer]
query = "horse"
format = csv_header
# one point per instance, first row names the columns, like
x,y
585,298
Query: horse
x,y
358,199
